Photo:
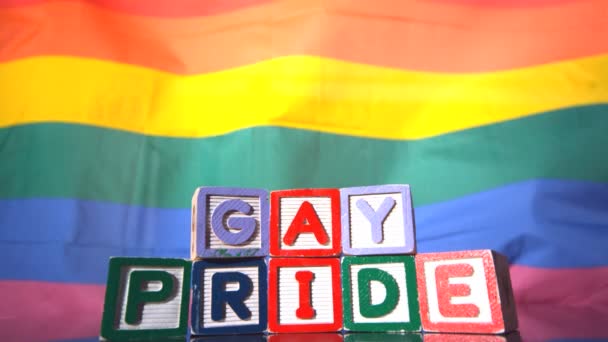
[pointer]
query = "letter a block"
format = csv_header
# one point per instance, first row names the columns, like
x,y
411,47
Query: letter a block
x,y
377,220
146,298
305,222
229,222
380,293
229,296
304,295
465,292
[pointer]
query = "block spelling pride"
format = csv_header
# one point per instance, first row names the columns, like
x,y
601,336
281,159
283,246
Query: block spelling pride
x,y
307,260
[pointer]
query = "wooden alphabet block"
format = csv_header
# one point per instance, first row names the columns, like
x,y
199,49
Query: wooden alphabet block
x,y
380,293
383,337
377,220
468,292
305,222
146,298
229,223
229,296
304,295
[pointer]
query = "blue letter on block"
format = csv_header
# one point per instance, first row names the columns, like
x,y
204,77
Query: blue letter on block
x,y
229,296
246,224
376,218
236,299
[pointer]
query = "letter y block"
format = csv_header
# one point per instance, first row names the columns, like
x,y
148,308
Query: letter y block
x,y
377,220
229,223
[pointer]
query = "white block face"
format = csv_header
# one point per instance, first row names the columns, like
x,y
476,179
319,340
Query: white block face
x,y
401,313
477,283
252,302
164,315
361,229
322,300
214,242
288,210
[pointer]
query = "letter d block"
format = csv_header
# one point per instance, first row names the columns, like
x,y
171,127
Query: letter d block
x,y
304,295
380,293
229,223
377,220
465,292
229,296
146,298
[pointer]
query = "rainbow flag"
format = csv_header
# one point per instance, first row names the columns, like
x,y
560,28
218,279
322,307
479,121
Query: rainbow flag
x,y
113,111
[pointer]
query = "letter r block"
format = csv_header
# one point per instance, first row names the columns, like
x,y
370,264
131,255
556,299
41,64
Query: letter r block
x,y
465,292
305,223
377,220
380,293
146,298
229,223
229,296
304,295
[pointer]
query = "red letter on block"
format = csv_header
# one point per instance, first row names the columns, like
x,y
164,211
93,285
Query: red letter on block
x,y
305,311
446,291
306,221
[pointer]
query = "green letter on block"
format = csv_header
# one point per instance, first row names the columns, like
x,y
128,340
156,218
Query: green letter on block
x,y
367,309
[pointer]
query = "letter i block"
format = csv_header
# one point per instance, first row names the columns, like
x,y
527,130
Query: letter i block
x,y
380,293
229,296
377,220
146,298
305,222
465,292
229,222
304,295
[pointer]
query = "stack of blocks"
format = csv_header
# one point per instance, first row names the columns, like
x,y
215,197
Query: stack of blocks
x,y
307,260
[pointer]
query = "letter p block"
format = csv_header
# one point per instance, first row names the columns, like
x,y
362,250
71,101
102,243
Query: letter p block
x,y
146,298
229,223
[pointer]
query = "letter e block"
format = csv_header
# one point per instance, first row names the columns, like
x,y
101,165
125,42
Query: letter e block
x,y
146,298
305,222
304,295
229,296
465,292
380,293
377,220
229,223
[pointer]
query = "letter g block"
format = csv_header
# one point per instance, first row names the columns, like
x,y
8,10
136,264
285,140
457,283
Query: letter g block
x,y
229,223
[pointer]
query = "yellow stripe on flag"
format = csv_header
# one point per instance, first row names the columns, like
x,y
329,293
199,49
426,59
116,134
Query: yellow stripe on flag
x,y
297,92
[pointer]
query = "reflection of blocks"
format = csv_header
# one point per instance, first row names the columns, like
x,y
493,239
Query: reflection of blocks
x,y
467,291
377,220
380,293
512,337
229,296
304,295
305,222
384,337
228,338
146,298
229,222
303,337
